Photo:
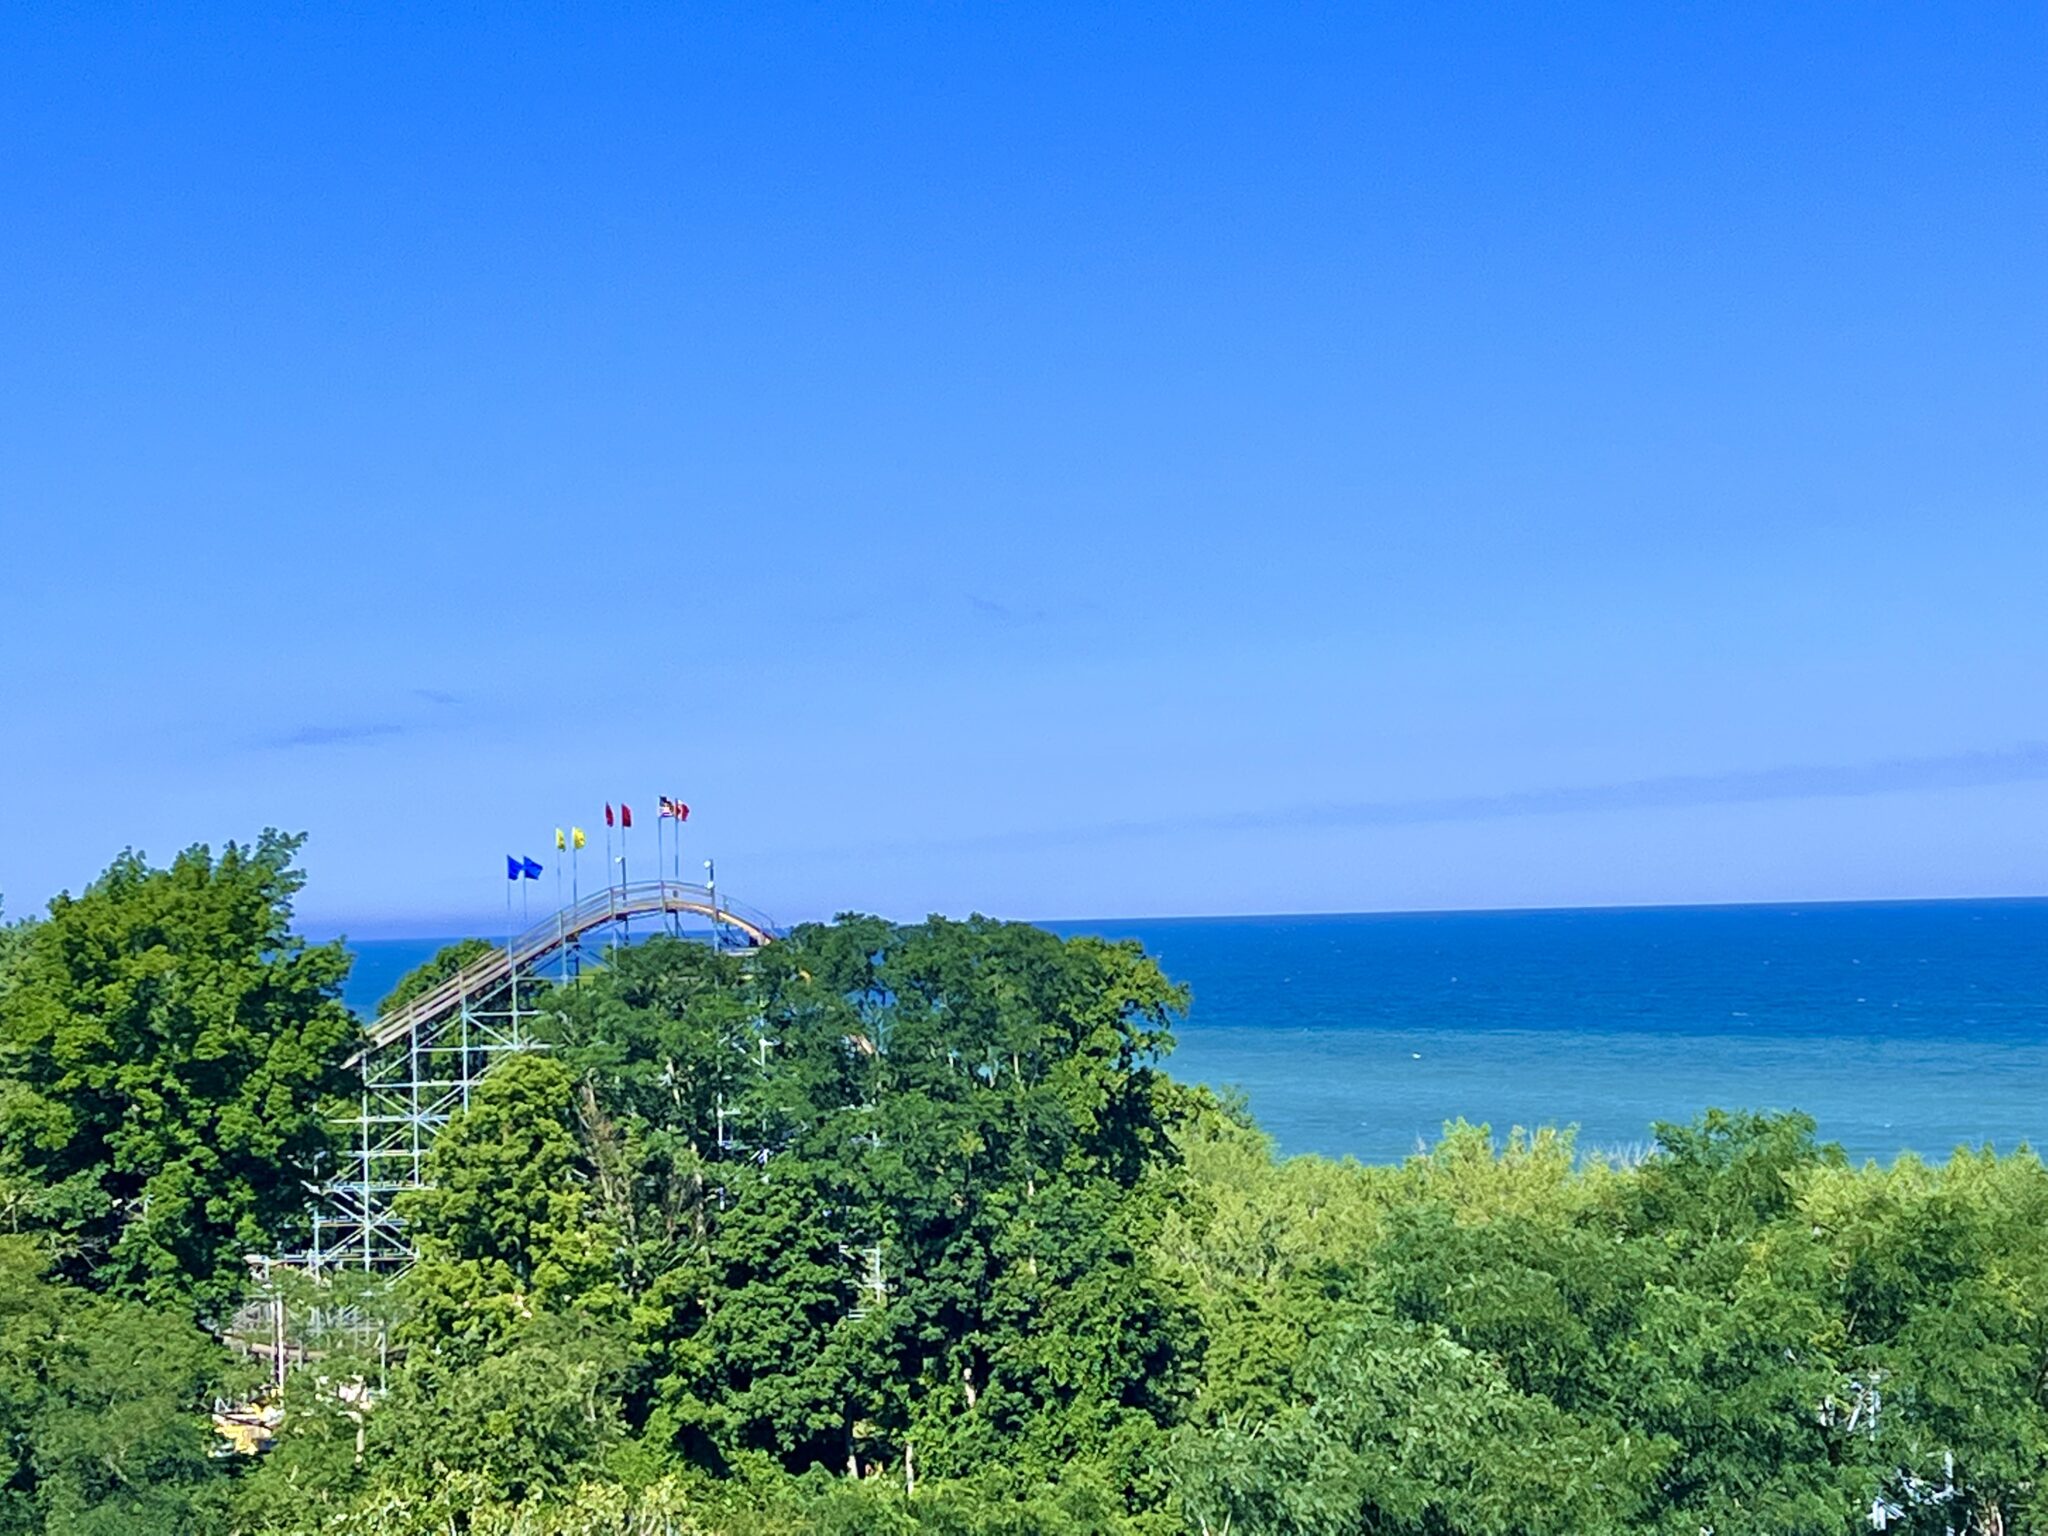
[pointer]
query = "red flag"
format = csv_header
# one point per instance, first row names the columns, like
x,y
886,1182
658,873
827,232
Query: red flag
x,y
608,814
625,814
682,811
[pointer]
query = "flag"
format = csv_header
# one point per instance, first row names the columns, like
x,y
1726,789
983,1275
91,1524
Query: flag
x,y
575,837
675,808
561,842
625,814
511,867
608,821
530,868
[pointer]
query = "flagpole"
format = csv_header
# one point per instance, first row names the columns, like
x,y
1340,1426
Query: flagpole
x,y
625,826
675,843
575,892
525,922
511,956
561,917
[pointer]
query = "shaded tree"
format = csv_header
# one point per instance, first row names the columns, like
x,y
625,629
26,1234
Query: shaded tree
x,y
103,1405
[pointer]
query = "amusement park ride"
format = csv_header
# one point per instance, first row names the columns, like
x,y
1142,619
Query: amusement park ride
x,y
421,1060
418,1064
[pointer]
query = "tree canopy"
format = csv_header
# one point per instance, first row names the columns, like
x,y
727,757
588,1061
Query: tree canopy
x,y
903,1228
166,1042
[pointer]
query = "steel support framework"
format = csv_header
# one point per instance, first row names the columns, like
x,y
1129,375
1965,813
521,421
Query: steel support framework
x,y
422,1060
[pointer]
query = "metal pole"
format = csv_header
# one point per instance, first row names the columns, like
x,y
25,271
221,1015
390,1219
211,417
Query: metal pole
x,y
415,1068
511,960
561,949
277,1321
676,855
711,890
659,817
463,1079
625,826
525,923
363,1197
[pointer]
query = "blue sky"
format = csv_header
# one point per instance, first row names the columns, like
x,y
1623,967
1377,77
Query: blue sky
x,y
1048,460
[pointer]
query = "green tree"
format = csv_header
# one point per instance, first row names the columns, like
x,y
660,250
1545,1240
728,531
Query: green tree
x,y
1404,1432
505,1222
1942,1276
514,1347
13,939
166,1042
1685,1308
888,1191
528,1412
103,1426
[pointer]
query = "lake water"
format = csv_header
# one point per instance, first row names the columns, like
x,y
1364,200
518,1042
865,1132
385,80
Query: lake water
x,y
1899,1026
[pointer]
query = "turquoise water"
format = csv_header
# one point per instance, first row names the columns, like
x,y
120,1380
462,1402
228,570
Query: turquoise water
x,y
1899,1026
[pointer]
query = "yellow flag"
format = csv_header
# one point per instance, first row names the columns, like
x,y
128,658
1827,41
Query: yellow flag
x,y
560,841
576,836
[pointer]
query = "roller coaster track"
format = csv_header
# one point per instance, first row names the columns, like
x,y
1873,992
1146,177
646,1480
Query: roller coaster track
x,y
420,1061
615,906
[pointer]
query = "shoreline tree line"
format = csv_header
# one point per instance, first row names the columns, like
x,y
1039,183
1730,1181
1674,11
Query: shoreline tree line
x,y
906,1228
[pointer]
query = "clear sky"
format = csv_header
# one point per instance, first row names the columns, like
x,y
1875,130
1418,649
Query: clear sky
x,y
1050,460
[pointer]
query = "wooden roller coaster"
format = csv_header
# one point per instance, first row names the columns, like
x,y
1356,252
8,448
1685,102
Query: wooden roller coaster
x,y
420,1061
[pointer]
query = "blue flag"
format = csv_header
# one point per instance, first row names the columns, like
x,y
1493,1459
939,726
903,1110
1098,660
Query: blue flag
x,y
511,867
530,868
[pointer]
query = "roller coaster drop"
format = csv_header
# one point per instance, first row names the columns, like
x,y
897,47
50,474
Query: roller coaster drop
x,y
421,1060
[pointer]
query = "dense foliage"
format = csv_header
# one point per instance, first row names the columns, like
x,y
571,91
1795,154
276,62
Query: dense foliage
x,y
901,1229
165,1044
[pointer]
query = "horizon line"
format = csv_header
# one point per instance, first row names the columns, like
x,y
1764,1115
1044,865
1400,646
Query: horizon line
x,y
325,932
